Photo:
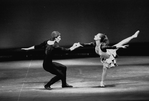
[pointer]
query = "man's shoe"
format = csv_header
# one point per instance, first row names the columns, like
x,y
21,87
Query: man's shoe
x,y
47,87
67,86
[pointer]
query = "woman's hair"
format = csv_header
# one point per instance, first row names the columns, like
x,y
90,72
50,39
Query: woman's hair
x,y
103,38
54,35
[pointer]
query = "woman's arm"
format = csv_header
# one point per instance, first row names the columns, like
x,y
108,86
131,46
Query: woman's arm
x,y
88,44
104,47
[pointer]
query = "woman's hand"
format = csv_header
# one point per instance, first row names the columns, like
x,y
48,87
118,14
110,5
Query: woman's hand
x,y
123,46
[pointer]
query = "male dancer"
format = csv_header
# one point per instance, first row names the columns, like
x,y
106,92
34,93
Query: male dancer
x,y
51,48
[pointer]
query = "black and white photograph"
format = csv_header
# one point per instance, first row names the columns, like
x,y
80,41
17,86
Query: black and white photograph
x,y
74,50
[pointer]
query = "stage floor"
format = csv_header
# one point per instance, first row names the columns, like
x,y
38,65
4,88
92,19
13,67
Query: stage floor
x,y
24,80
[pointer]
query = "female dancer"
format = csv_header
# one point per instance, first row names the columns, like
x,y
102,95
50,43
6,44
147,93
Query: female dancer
x,y
108,53
51,48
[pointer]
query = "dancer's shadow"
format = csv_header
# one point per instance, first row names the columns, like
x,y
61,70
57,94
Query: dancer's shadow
x,y
106,86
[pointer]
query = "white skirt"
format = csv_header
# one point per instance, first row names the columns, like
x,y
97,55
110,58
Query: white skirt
x,y
111,60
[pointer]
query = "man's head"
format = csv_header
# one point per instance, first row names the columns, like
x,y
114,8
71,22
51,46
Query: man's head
x,y
55,36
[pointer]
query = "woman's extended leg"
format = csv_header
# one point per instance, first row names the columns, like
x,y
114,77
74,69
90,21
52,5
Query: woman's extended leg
x,y
125,41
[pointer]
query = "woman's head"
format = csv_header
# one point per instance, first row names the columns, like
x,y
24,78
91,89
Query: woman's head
x,y
101,38
55,36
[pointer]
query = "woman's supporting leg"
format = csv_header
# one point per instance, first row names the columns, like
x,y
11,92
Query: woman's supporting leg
x,y
104,74
126,40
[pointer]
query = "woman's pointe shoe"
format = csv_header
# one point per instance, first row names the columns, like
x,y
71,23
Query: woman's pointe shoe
x,y
102,84
136,34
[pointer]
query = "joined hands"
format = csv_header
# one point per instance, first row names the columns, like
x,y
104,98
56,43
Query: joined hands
x,y
75,45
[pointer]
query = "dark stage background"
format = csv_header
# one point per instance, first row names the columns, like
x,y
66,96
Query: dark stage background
x,y
24,23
